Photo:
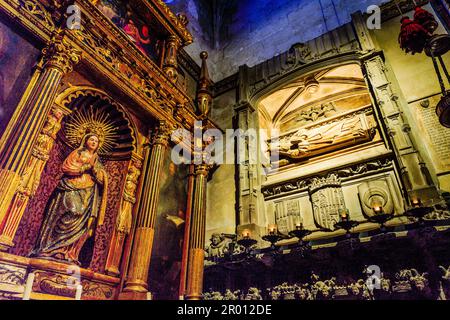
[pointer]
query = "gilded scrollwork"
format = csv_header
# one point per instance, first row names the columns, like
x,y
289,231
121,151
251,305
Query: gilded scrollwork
x,y
60,54
10,274
37,10
62,285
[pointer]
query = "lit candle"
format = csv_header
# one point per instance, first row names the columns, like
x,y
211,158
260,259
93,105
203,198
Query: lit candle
x,y
28,287
272,229
344,215
246,234
78,292
416,203
299,226
378,209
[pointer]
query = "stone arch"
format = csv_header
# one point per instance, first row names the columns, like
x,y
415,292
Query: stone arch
x,y
302,70
315,70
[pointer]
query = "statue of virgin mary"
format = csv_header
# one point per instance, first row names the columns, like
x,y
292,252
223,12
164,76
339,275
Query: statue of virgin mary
x,y
77,206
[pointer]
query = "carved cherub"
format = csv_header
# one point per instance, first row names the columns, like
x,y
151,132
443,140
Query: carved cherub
x,y
219,246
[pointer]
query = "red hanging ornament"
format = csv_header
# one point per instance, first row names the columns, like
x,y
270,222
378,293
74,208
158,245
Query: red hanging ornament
x,y
145,31
425,19
413,36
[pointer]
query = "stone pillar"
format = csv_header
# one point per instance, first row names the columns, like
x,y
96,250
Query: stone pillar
x,y
125,216
170,59
187,227
194,286
249,166
59,58
414,173
136,286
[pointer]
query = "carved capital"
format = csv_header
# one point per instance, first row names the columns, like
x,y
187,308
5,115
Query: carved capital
x,y
202,169
60,54
161,134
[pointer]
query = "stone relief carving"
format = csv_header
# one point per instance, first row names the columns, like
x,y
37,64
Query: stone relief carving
x,y
438,214
317,113
344,173
222,245
10,274
327,200
445,283
287,215
410,279
309,142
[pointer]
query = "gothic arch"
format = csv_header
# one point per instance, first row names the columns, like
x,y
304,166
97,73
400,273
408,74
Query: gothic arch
x,y
275,83
281,99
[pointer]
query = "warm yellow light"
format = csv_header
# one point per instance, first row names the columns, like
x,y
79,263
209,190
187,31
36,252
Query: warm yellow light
x,y
246,234
378,209
272,229
416,203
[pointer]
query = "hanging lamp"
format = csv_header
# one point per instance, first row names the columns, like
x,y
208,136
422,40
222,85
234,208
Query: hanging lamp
x,y
416,36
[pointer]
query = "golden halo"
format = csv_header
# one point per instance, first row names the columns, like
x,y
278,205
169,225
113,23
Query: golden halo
x,y
91,121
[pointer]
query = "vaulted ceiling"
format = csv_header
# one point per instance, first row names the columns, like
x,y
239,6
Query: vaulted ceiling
x,y
329,85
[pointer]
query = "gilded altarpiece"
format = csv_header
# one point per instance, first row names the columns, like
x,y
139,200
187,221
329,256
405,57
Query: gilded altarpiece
x,y
94,253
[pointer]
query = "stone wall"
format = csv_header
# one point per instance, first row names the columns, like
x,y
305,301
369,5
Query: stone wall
x,y
249,32
221,211
418,83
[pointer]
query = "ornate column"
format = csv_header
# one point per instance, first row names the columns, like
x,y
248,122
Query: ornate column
x,y
170,60
197,234
125,216
136,286
17,146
